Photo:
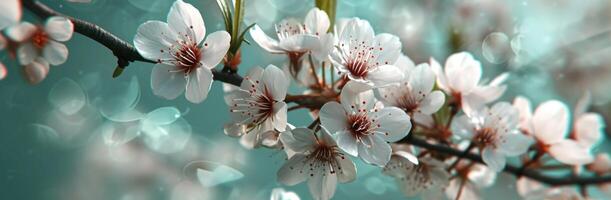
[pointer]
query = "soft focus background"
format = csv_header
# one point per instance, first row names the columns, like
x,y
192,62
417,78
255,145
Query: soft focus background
x,y
553,49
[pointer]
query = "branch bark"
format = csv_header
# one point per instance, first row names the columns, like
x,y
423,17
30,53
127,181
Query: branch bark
x,y
126,53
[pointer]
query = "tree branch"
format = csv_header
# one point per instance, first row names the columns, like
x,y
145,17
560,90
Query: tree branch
x,y
532,174
126,53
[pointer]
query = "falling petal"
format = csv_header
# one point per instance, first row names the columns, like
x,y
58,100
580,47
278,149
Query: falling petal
x,y
213,174
167,138
45,133
67,96
127,116
496,47
162,116
120,133
120,101
375,185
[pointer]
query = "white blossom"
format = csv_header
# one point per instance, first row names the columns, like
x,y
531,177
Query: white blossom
x,y
495,131
461,79
317,160
258,107
364,57
469,184
281,194
296,39
183,65
413,178
414,95
549,125
361,126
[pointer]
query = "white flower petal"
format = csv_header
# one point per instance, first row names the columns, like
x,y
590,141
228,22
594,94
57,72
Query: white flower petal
x,y
167,83
394,123
385,75
589,129
525,112
463,72
494,159
275,80
214,49
432,102
254,74
280,119
356,29
21,31
377,153
424,120
55,53
26,53
264,41
323,184
11,13
299,43
347,169
292,173
442,81
406,65
488,93
357,96
390,48
59,28
550,122
185,19
154,40
198,85
317,21
422,79
347,142
514,144
36,71
463,127
570,152
300,140
333,117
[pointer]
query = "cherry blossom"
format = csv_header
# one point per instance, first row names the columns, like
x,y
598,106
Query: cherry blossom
x,y
296,39
549,125
588,127
39,46
532,190
258,106
413,178
495,131
472,178
364,57
414,94
317,160
361,126
11,13
182,63
461,80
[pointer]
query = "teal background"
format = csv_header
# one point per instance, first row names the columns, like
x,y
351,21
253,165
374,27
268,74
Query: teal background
x,y
33,166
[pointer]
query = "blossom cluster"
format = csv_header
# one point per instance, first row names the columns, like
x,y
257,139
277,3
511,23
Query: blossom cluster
x,y
374,100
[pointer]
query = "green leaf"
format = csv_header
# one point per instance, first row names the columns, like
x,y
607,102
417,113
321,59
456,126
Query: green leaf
x,y
118,71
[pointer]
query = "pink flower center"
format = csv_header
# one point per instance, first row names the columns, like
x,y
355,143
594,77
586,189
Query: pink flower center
x,y
188,57
486,137
358,69
40,38
360,57
359,125
408,102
